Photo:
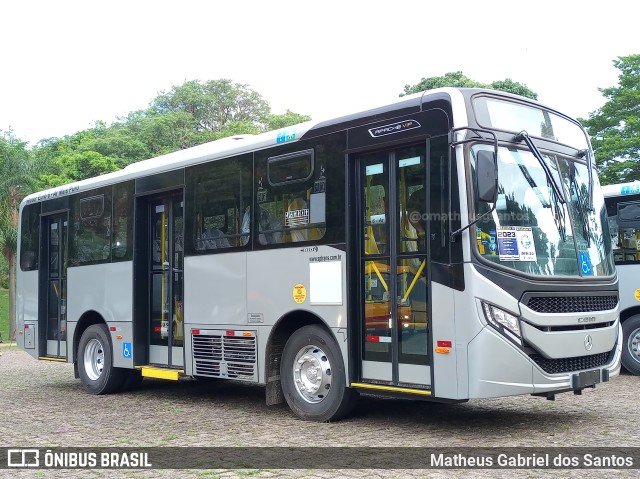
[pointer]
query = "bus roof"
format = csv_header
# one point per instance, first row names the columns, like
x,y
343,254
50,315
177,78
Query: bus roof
x,y
621,189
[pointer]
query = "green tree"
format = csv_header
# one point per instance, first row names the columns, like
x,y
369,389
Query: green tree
x,y
459,80
214,104
615,127
17,175
277,122
185,116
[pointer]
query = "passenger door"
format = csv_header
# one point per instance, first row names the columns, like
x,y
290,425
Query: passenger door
x,y
393,263
166,275
54,316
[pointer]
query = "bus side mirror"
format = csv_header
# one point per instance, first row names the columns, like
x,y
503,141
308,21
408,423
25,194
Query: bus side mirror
x,y
486,176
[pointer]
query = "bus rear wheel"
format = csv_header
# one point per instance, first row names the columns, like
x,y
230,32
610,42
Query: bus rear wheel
x,y
95,362
313,376
631,345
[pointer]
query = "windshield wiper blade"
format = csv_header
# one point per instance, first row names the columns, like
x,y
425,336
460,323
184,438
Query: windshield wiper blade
x,y
589,156
524,136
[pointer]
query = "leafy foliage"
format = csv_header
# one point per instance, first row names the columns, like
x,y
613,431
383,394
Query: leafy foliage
x,y
17,175
459,80
185,116
615,127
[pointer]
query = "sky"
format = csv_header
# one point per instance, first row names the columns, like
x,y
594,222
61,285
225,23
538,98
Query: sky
x,y
67,64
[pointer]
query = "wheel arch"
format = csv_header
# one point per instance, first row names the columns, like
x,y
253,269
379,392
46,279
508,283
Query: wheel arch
x,y
88,318
284,327
627,313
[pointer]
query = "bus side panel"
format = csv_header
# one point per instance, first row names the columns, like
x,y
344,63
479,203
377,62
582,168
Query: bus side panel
x,y
629,283
496,367
273,290
215,288
444,309
106,289
27,312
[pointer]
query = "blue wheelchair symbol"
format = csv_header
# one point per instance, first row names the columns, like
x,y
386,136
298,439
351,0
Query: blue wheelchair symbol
x,y
126,350
585,264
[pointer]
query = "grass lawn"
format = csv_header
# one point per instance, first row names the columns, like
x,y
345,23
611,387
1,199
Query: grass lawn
x,y
4,314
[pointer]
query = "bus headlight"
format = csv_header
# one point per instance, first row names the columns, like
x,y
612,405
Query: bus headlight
x,y
504,322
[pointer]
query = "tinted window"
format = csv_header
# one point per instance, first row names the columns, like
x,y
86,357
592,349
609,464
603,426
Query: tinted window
x,y
122,233
90,240
29,237
291,198
624,228
291,167
219,205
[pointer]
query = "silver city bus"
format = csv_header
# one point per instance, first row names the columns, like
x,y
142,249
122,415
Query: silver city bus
x,y
448,246
623,207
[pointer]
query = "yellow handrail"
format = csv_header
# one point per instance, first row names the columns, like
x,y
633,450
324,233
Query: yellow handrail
x,y
415,280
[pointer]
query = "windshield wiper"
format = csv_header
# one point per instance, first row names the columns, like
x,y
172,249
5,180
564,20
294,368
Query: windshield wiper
x,y
589,156
524,136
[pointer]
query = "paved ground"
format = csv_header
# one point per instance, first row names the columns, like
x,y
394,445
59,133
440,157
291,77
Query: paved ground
x,y
42,405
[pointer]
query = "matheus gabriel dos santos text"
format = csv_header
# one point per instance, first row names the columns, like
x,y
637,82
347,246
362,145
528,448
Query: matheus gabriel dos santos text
x,y
520,460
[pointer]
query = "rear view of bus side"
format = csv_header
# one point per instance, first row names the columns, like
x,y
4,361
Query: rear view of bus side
x,y
452,245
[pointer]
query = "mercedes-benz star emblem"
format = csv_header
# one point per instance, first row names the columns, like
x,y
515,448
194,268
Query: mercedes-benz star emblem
x,y
588,342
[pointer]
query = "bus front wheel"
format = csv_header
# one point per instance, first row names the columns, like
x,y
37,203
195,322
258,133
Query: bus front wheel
x,y
95,362
313,376
631,346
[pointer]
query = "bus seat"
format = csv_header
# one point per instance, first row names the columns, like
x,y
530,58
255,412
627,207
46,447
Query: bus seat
x,y
213,238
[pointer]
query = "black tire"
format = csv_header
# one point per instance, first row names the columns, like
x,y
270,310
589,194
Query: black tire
x,y
312,357
631,344
95,362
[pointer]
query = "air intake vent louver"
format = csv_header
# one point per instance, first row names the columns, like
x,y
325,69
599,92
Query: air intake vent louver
x,y
565,365
221,356
572,304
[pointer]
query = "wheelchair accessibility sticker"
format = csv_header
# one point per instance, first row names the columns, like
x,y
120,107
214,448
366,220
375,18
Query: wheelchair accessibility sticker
x,y
126,350
585,264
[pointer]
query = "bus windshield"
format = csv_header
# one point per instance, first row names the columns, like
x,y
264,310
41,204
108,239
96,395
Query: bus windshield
x,y
508,115
532,230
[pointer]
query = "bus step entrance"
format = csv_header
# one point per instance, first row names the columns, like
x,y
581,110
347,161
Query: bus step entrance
x,y
161,373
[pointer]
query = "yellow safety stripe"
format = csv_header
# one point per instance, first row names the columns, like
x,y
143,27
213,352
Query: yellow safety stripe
x,y
47,358
391,389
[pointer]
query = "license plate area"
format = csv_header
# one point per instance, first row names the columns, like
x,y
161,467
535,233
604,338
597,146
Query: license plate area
x,y
585,379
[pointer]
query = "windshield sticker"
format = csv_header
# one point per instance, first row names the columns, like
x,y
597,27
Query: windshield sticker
x,y
486,242
585,264
515,243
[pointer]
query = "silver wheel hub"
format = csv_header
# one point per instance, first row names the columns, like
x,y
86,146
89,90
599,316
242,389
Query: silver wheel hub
x,y
94,359
312,374
634,343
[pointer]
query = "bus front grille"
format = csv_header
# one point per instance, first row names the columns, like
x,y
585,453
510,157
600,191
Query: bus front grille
x,y
572,304
220,356
565,365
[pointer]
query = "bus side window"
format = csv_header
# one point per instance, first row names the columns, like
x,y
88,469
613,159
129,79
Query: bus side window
x,y
122,231
218,198
624,227
291,195
90,234
29,237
